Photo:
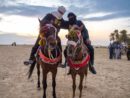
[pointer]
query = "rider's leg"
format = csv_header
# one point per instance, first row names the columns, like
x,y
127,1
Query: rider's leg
x,y
91,50
91,66
65,63
60,47
34,49
59,44
33,52
65,55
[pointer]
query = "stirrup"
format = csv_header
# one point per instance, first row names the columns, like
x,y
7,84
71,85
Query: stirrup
x,y
28,62
62,65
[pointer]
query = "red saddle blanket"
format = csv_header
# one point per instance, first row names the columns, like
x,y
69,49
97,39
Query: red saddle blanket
x,y
83,63
49,60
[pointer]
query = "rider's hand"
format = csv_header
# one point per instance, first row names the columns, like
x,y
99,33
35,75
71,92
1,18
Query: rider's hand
x,y
88,41
81,27
66,36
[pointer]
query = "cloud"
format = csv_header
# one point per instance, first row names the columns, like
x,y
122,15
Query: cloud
x,y
0,18
119,9
108,17
29,8
9,38
128,26
111,5
35,8
25,10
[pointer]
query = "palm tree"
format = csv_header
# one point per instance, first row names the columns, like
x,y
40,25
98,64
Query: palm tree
x,y
128,35
117,36
123,36
112,38
128,39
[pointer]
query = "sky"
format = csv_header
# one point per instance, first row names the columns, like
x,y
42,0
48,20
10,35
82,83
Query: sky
x,y
19,18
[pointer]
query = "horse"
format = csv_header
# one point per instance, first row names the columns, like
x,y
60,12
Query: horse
x,y
48,56
77,57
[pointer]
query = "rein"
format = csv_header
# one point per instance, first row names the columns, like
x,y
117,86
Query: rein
x,y
50,59
78,64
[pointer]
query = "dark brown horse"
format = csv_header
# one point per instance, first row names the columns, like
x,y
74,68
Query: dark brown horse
x,y
77,57
48,56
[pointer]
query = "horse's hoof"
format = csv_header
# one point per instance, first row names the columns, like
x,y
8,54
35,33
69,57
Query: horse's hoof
x,y
43,97
85,86
38,88
54,96
31,80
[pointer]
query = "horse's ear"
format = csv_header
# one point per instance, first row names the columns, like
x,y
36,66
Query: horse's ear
x,y
39,20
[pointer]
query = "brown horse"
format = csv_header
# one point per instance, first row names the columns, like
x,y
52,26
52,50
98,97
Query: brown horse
x,y
48,56
77,57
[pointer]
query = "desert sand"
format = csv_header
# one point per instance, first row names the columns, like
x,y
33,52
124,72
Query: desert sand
x,y
112,79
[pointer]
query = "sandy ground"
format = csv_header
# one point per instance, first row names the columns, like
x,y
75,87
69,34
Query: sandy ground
x,y
112,79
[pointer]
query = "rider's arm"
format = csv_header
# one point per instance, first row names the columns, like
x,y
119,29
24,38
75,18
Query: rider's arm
x,y
64,24
84,31
47,19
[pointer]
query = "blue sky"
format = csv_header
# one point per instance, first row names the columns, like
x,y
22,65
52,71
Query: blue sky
x,y
18,18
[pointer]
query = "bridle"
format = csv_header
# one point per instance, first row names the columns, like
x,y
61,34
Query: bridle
x,y
50,38
75,44
46,29
77,52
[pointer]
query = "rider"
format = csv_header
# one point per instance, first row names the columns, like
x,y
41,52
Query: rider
x,y
72,20
53,18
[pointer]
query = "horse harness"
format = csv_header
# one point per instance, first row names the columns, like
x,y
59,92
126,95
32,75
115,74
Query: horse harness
x,y
76,45
51,59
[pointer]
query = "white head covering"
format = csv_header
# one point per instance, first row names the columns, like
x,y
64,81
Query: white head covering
x,y
61,9
59,13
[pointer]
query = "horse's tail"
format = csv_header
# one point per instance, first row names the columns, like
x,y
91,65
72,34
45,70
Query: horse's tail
x,y
31,69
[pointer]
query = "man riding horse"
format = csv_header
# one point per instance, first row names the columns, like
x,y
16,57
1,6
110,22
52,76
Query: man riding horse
x,y
84,32
56,19
53,18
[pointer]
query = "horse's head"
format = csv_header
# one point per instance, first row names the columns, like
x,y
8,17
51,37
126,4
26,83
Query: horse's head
x,y
75,43
48,35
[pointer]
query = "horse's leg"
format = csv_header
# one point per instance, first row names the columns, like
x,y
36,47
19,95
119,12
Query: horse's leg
x,y
54,83
86,73
74,83
81,84
38,74
44,84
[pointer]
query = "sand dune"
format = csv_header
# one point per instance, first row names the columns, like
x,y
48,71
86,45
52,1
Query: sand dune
x,y
112,79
